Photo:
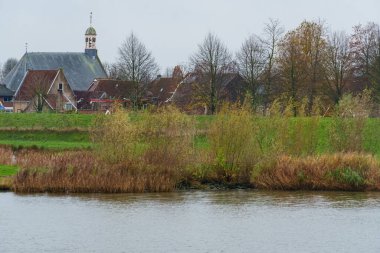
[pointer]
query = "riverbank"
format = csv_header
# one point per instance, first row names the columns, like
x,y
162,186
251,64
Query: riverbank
x,y
52,131
82,172
166,150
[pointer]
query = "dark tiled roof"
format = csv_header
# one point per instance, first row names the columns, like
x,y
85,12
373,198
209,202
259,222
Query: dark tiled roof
x,y
35,79
230,88
5,92
163,88
80,69
117,89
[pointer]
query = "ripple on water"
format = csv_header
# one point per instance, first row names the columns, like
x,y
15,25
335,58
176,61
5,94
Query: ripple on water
x,y
193,221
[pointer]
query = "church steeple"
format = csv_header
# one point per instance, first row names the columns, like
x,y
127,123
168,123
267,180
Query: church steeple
x,y
90,37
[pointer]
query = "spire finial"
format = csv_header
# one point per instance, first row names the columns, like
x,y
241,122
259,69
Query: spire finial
x,y
26,47
91,18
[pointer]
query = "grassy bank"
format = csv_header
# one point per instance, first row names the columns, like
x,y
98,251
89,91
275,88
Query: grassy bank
x,y
45,139
82,171
167,150
45,121
71,131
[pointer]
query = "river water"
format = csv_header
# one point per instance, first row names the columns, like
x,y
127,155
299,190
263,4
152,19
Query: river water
x,y
198,221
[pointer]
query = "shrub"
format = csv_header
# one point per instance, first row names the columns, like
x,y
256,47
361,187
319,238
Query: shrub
x,y
162,140
359,106
233,145
169,138
116,137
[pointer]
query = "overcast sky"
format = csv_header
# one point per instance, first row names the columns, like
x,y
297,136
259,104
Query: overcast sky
x,y
171,29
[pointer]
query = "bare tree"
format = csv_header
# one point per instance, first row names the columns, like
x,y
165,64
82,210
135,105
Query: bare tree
x,y
251,59
8,66
337,66
136,64
212,60
112,70
375,72
312,35
168,72
292,64
364,46
37,91
1,73
40,99
273,33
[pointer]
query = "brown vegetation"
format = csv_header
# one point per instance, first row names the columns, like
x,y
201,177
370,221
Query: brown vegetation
x,y
351,171
81,171
158,151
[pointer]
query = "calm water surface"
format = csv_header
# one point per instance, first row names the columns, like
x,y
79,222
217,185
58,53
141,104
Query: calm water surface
x,y
231,221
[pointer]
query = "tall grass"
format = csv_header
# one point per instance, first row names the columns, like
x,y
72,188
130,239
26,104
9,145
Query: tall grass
x,y
83,172
116,137
164,149
350,171
346,134
234,149
168,137
149,153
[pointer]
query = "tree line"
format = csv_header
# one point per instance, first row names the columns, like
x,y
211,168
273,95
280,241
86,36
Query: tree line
x,y
305,67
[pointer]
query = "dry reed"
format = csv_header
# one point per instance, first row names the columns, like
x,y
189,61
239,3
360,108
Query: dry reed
x,y
350,171
83,172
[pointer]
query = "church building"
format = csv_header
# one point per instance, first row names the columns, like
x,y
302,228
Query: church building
x,y
80,68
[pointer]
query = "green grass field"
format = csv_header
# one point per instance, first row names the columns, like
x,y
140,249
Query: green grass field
x,y
45,121
45,139
46,130
70,131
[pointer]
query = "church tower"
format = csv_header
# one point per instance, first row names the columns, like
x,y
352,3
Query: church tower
x,y
90,38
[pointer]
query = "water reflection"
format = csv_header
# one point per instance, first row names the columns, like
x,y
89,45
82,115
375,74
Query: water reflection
x,y
233,198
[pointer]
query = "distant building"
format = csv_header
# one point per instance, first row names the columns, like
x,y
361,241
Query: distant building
x,y
161,89
80,68
191,94
6,95
6,99
102,93
44,90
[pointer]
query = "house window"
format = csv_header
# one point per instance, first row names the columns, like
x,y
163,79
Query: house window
x,y
60,87
68,107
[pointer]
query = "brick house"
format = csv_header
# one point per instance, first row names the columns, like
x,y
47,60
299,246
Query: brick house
x,y
44,90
